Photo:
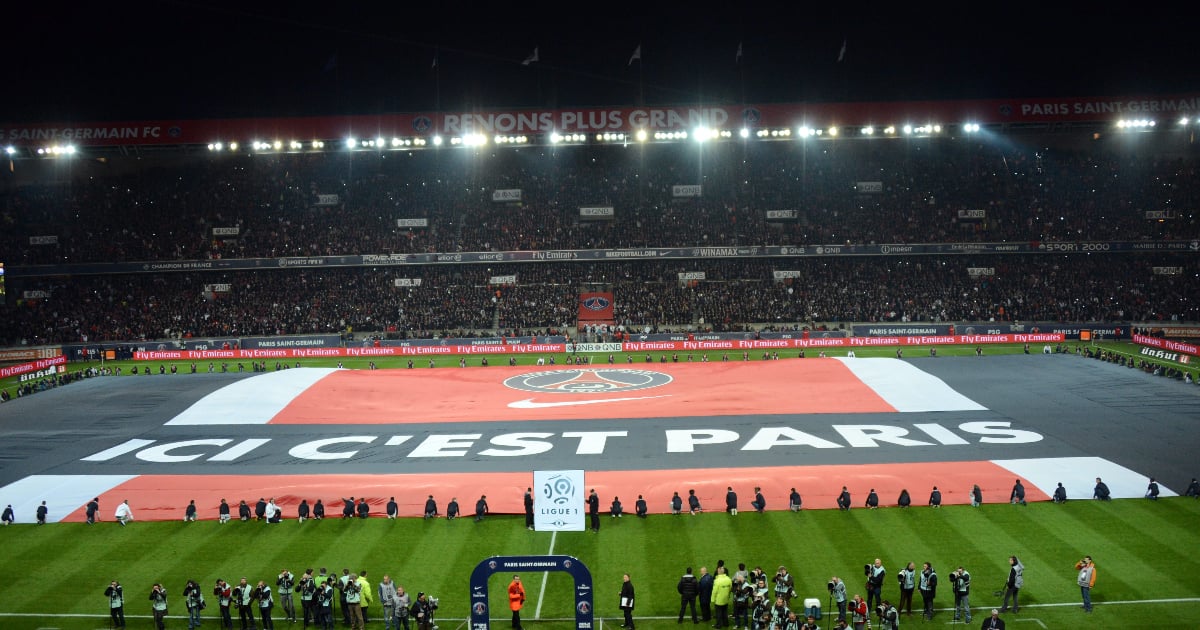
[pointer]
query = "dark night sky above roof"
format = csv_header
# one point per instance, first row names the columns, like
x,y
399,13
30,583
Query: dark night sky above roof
x,y
162,60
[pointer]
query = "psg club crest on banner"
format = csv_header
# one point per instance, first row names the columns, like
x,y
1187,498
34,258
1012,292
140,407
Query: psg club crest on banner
x,y
479,608
596,303
587,381
422,124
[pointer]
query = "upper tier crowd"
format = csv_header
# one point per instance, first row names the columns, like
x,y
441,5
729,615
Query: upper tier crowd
x,y
166,209
457,301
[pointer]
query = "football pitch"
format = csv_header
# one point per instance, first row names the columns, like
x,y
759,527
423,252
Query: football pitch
x,y
653,427
1148,574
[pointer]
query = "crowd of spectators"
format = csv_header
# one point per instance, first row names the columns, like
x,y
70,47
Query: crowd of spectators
x,y
130,210
458,301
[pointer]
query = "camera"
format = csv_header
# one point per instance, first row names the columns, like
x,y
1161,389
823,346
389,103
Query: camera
x,y
867,569
829,586
433,602
880,609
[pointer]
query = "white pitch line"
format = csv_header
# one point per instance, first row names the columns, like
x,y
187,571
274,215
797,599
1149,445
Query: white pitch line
x,y
1126,602
537,614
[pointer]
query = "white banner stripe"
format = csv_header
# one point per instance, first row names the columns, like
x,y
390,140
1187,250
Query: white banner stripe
x,y
63,494
906,387
1078,476
253,400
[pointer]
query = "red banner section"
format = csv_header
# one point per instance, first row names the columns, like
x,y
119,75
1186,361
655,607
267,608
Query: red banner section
x,y
32,366
592,120
595,307
629,346
163,497
1167,344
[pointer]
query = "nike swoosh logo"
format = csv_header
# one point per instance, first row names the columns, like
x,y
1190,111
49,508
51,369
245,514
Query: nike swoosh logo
x,y
529,404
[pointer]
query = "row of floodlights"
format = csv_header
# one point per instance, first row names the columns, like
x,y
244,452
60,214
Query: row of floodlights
x,y
52,151
699,135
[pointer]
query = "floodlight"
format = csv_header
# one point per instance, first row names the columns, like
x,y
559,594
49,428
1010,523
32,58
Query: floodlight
x,y
437,141
745,133
833,131
232,146
640,135
9,150
351,143
278,145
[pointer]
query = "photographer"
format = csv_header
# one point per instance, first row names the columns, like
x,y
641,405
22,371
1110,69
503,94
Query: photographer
x,y
194,600
116,603
262,593
286,582
785,585
224,595
422,611
858,612
1014,583
307,588
837,588
158,604
889,617
243,599
928,587
324,606
743,594
960,581
353,601
908,583
875,574
403,607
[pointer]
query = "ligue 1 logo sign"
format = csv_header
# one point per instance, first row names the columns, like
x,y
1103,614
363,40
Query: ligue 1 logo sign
x,y
587,381
559,490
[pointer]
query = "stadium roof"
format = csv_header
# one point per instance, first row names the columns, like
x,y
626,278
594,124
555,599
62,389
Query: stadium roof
x,y
192,60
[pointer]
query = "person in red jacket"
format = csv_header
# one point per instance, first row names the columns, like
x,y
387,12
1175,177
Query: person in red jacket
x,y
516,599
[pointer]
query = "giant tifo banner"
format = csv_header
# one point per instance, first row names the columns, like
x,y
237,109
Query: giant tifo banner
x,y
628,346
33,366
591,120
595,307
1167,344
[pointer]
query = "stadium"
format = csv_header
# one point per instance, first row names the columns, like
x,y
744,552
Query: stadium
x,y
780,300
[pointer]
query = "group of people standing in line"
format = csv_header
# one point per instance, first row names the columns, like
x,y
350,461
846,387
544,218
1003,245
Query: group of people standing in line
x,y
254,604
754,600
266,510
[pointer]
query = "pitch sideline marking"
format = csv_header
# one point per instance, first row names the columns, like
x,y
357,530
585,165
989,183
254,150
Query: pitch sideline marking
x,y
537,614
1174,600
